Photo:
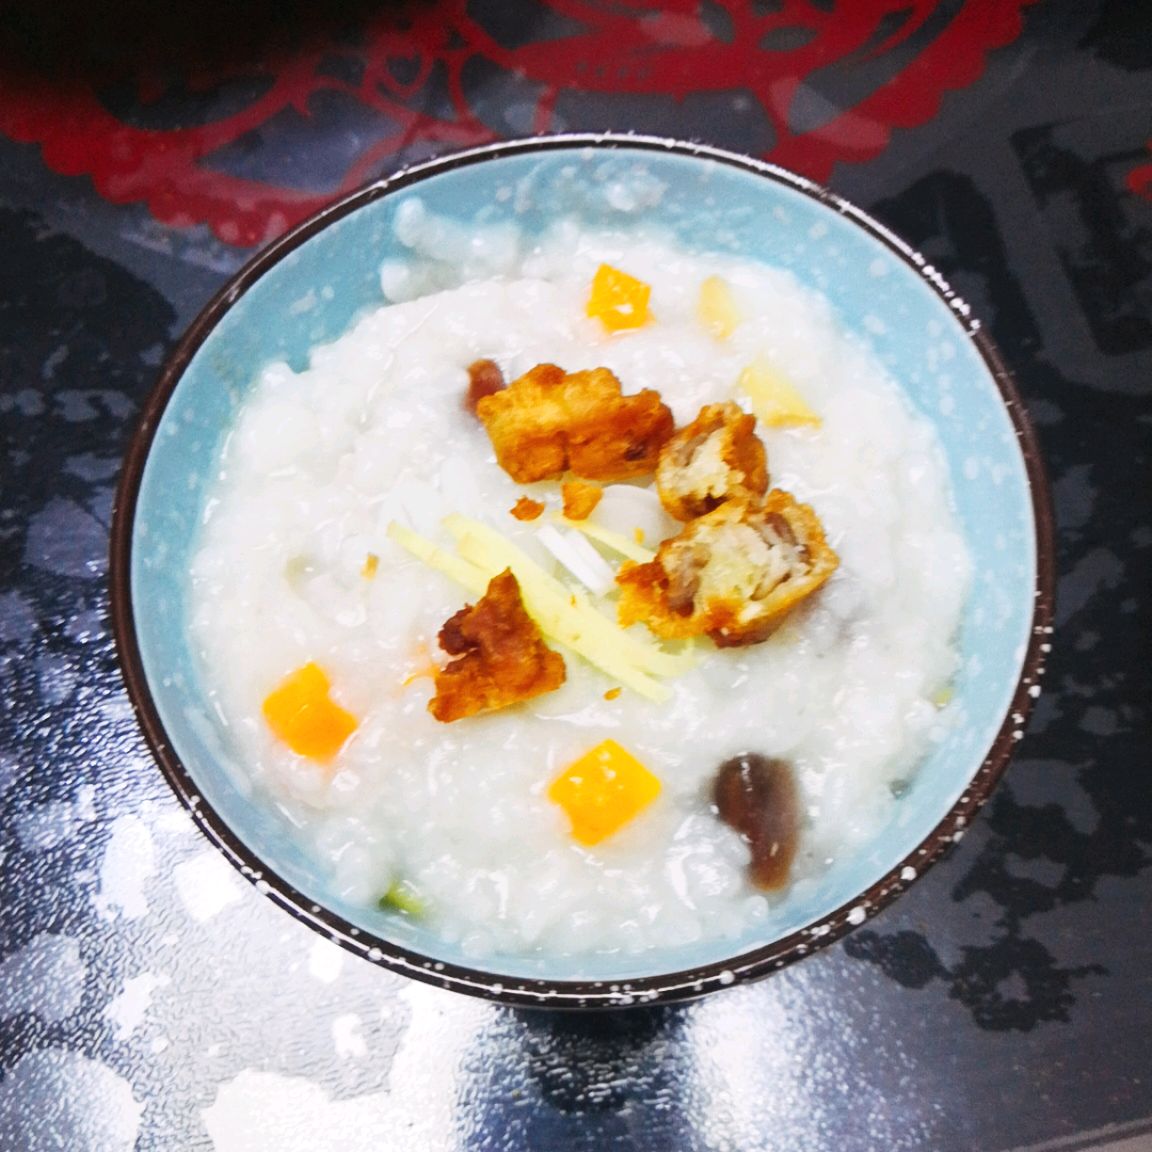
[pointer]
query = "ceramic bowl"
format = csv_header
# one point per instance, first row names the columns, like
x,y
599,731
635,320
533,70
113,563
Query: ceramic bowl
x,y
709,199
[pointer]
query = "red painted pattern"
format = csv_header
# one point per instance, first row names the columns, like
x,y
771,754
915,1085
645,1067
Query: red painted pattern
x,y
1139,180
618,48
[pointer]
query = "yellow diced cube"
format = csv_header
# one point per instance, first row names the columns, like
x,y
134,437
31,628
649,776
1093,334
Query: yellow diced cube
x,y
602,791
620,301
716,308
301,712
774,397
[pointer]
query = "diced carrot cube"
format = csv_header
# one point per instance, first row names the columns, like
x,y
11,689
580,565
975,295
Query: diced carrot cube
x,y
619,300
602,791
301,712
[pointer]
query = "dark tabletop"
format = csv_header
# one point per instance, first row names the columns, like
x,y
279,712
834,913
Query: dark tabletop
x,y
151,999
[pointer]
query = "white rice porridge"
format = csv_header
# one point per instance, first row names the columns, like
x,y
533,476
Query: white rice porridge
x,y
849,690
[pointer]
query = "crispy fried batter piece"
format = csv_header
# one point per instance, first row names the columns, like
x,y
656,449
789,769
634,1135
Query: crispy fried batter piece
x,y
550,421
732,574
527,509
580,498
710,461
484,379
501,657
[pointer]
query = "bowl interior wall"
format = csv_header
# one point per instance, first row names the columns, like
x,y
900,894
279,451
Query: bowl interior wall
x,y
312,293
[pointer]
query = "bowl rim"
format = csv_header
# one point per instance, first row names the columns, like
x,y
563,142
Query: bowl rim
x,y
532,992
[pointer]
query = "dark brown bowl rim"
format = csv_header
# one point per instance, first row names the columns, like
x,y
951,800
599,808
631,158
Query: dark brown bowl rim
x,y
575,994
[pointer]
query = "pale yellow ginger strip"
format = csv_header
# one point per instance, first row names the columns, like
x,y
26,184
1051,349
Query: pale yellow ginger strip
x,y
487,547
465,573
561,622
616,541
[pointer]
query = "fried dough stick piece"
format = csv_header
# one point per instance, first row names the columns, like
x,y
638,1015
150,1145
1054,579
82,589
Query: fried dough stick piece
x,y
501,657
580,498
732,574
549,421
710,461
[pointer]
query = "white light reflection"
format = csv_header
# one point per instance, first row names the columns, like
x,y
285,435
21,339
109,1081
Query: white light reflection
x,y
786,1063
748,1077
261,1111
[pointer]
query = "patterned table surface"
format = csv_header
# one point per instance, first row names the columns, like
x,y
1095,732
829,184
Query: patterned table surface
x,y
150,999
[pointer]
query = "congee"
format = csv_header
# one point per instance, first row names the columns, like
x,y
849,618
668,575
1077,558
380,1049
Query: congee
x,y
589,594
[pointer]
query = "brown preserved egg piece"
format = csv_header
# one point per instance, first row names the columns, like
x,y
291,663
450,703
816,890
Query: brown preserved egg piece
x,y
757,796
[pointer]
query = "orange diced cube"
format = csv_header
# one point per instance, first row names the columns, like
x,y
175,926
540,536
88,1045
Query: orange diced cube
x,y
301,712
619,300
602,791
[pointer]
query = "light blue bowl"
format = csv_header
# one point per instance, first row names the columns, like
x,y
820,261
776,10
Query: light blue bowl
x,y
712,201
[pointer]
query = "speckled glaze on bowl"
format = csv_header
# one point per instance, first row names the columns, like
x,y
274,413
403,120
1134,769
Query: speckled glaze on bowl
x,y
308,286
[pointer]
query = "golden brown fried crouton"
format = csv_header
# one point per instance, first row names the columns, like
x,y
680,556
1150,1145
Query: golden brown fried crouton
x,y
484,379
714,459
501,656
550,421
580,498
732,574
527,509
